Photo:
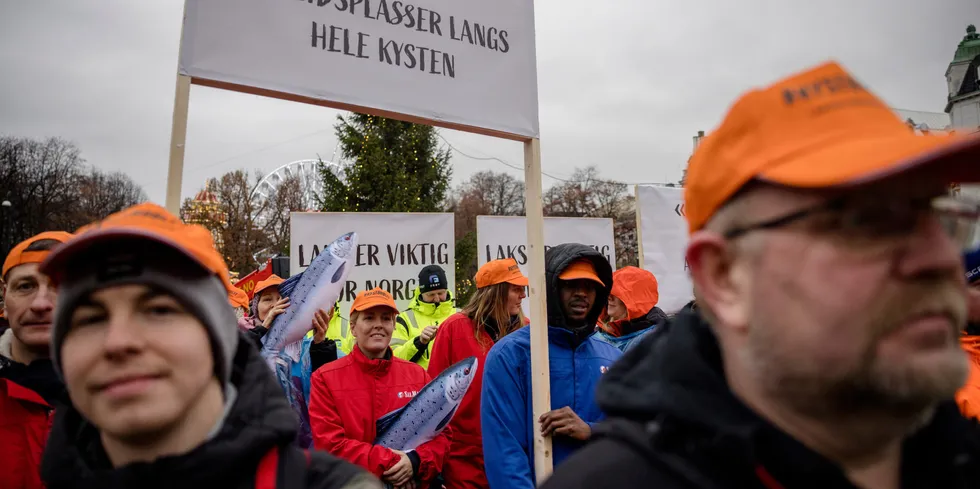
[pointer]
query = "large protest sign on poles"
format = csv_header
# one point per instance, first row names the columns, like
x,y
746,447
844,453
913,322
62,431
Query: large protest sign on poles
x,y
663,242
392,249
506,237
468,65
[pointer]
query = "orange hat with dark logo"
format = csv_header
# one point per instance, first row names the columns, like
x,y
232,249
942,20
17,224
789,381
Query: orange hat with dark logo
x,y
582,269
498,272
238,298
273,281
373,298
818,129
20,255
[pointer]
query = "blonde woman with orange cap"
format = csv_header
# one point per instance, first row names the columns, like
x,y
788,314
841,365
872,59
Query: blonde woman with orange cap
x,y
348,396
238,299
492,313
632,311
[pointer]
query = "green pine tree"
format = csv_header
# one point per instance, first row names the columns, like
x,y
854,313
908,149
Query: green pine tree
x,y
396,167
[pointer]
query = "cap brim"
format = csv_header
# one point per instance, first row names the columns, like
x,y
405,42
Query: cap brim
x,y
858,162
521,281
581,276
54,265
364,307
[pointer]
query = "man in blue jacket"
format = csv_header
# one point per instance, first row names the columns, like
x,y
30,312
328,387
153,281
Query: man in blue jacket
x,y
579,280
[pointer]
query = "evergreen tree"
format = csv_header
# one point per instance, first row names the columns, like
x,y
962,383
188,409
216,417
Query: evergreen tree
x,y
395,167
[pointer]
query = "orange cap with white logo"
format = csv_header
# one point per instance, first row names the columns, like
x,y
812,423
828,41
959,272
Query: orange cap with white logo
x,y
373,298
817,129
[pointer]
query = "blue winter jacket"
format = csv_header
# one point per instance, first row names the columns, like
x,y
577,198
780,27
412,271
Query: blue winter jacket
x,y
577,362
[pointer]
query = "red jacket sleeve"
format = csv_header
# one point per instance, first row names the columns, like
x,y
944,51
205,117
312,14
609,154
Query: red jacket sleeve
x,y
328,433
441,356
433,453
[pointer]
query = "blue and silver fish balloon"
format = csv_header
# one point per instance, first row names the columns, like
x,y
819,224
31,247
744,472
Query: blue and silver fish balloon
x,y
317,287
284,346
430,411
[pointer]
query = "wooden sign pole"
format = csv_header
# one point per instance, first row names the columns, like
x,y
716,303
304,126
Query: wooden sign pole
x,y
178,135
537,295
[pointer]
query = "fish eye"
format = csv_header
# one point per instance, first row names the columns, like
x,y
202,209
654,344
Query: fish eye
x,y
466,371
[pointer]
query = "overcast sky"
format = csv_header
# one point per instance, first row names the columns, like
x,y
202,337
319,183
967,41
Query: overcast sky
x,y
623,84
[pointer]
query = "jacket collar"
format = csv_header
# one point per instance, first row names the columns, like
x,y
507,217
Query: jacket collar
x,y
372,367
445,308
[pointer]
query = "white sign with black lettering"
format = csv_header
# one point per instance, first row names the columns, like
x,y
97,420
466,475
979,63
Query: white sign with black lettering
x,y
663,239
506,237
392,249
468,62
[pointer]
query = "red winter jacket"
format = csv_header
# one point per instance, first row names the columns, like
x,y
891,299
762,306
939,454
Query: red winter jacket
x,y
456,341
349,395
25,420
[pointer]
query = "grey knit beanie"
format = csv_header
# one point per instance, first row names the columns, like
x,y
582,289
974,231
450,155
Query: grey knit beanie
x,y
144,262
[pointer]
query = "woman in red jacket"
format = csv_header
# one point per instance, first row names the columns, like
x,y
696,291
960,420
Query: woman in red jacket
x,y
349,395
493,312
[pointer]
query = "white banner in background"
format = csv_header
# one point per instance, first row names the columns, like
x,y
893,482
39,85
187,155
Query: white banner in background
x,y
506,237
663,234
468,62
392,249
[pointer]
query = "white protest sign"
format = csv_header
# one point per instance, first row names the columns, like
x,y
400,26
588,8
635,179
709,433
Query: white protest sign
x,y
465,62
663,239
392,249
506,237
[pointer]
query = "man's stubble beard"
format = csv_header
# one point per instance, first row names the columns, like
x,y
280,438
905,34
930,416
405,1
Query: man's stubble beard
x,y
870,385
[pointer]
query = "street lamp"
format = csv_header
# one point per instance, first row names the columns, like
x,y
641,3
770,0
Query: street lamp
x,y
4,231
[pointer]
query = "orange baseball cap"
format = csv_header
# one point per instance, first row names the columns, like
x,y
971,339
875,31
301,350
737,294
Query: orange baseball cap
x,y
817,129
580,269
20,256
500,271
238,298
373,298
146,221
273,280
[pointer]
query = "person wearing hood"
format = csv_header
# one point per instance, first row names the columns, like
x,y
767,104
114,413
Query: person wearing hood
x,y
968,397
493,312
29,386
416,326
164,390
579,280
632,311
825,253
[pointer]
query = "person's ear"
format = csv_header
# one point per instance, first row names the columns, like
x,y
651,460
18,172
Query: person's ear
x,y
721,287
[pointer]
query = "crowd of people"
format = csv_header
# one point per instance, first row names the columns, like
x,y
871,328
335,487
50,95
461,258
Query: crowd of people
x,y
832,343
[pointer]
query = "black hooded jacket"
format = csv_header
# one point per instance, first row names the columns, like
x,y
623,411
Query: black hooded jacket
x,y
260,420
674,423
557,259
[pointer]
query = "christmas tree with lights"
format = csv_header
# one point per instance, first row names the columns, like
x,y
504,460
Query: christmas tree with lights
x,y
392,166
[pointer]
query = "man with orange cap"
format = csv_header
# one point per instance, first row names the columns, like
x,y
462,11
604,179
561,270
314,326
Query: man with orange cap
x,y
579,280
825,252
29,386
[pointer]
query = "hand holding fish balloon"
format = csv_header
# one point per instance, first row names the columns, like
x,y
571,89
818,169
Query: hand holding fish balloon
x,y
279,308
402,472
321,322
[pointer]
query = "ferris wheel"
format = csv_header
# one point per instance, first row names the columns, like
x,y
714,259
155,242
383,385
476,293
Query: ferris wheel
x,y
308,174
